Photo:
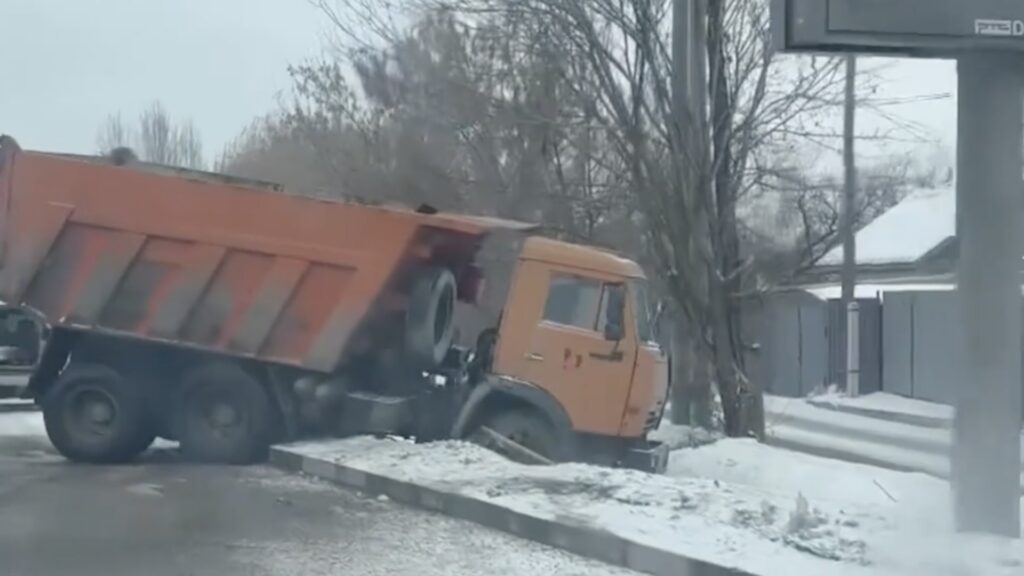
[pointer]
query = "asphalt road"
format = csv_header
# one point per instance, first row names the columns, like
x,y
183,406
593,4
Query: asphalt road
x,y
162,517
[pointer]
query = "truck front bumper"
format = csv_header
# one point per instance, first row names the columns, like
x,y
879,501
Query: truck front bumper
x,y
647,456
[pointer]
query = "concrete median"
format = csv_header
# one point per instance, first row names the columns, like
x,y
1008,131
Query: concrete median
x,y
564,534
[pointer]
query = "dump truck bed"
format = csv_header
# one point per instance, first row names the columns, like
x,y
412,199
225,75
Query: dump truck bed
x,y
217,263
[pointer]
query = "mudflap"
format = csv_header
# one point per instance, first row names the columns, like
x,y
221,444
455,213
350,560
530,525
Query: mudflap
x,y
647,456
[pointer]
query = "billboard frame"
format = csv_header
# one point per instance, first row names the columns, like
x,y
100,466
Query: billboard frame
x,y
803,26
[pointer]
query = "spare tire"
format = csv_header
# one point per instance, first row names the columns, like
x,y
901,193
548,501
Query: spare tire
x,y
430,318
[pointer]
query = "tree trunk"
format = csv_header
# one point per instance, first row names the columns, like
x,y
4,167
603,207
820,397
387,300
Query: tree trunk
x,y
691,380
682,361
742,404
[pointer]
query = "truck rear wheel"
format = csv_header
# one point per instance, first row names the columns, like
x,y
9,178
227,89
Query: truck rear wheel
x,y
430,318
524,427
93,415
224,415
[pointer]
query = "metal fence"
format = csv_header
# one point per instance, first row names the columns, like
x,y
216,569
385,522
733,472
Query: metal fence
x,y
919,336
908,344
802,343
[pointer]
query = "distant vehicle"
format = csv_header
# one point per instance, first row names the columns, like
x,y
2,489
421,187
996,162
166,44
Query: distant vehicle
x,y
227,314
20,335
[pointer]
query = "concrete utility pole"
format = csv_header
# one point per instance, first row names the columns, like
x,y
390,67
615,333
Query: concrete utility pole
x,y
690,395
849,209
986,457
698,50
682,337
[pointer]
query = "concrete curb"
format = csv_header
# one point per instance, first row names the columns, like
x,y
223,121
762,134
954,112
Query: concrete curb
x,y
6,408
899,417
580,540
843,455
822,426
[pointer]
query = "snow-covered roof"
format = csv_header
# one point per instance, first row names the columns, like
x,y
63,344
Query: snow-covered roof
x,y
835,291
907,231
878,290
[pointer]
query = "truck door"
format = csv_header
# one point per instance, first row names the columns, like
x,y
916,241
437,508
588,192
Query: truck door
x,y
581,350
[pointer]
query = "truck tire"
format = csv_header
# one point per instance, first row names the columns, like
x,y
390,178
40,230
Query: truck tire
x,y
223,415
93,415
430,318
525,427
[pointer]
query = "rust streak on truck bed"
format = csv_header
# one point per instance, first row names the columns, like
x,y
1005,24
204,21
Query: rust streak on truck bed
x,y
208,261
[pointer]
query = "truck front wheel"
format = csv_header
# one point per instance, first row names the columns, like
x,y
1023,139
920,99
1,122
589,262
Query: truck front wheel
x,y
93,415
224,415
524,427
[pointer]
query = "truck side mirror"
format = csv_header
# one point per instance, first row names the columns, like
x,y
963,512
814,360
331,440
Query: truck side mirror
x,y
614,325
659,311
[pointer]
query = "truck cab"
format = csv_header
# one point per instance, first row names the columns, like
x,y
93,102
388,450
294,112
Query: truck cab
x,y
577,332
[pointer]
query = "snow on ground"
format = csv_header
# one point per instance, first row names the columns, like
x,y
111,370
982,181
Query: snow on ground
x,y
679,436
796,412
796,423
734,503
905,518
22,424
885,403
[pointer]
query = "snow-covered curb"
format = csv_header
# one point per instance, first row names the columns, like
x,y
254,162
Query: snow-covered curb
x,y
484,503
888,407
656,524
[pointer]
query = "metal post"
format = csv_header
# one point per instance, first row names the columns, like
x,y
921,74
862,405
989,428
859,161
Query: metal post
x,y
849,208
986,457
853,349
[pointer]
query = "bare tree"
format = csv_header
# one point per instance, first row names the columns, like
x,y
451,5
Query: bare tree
x,y
157,137
808,207
562,111
687,182
113,134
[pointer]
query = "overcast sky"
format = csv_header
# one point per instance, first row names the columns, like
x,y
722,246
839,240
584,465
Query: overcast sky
x,y
68,64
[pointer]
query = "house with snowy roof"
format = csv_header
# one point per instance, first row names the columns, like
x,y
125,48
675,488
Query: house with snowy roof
x,y
914,241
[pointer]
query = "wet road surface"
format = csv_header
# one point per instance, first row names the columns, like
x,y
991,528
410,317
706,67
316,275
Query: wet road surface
x,y
162,517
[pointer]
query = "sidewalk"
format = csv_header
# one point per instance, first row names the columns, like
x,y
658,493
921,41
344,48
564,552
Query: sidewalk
x,y
889,407
730,508
12,382
900,434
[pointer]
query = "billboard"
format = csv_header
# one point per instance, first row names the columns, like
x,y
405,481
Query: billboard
x,y
929,28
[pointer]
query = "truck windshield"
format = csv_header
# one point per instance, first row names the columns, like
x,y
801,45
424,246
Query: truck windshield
x,y
643,311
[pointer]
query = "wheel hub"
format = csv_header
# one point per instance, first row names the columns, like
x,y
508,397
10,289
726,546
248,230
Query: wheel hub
x,y
99,412
223,415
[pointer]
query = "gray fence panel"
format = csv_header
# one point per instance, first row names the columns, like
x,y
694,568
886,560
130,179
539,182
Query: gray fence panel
x,y
784,351
836,336
813,347
937,358
870,345
897,343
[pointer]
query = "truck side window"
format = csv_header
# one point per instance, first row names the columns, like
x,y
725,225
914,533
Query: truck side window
x,y
572,301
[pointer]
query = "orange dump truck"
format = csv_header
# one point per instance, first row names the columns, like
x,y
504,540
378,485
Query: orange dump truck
x,y
227,315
